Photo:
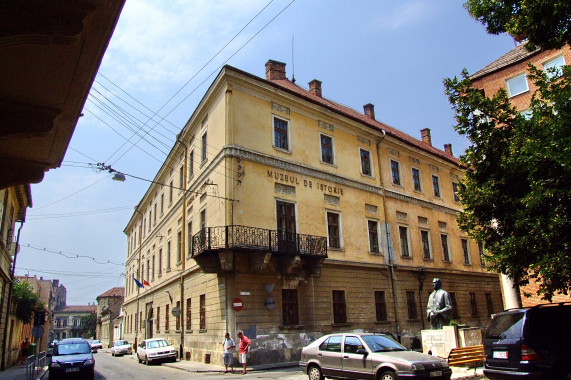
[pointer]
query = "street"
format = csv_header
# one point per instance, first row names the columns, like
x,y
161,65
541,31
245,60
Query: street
x,y
127,367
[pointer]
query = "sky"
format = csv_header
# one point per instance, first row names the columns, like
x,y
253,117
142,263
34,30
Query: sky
x,y
159,63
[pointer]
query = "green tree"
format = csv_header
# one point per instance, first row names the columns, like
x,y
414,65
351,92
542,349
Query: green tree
x,y
88,325
546,23
28,302
517,191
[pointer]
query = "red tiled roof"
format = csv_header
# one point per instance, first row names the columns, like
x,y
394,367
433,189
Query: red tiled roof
x,y
77,309
293,88
118,291
518,54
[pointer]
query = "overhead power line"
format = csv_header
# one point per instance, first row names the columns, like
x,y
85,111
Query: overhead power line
x,y
74,256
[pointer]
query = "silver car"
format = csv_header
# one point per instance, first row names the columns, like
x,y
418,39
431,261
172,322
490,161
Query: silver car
x,y
368,356
121,347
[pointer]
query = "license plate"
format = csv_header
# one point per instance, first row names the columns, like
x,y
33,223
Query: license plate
x,y
500,354
435,373
72,370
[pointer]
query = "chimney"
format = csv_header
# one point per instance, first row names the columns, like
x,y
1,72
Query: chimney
x,y
425,134
275,70
448,149
315,87
369,110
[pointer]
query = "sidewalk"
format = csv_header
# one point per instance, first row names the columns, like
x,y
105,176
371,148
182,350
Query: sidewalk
x,y
199,367
19,373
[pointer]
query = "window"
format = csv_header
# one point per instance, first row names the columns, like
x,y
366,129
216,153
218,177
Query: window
x,y
373,236
352,344
189,313
455,314
148,270
333,230
445,249
155,214
168,255
189,237
411,305
473,304
167,318
554,67
436,186
339,308
290,308
332,344
140,320
170,192
158,318
150,218
416,179
154,268
162,204
517,85
481,253
144,226
403,236
326,149
365,162
281,134
203,153
181,178
179,247
465,251
160,262
489,303
191,164
395,171
425,239
455,192
177,319
142,273
203,219
203,311
380,306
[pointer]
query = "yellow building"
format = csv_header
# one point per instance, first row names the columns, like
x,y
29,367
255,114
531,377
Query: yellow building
x,y
286,215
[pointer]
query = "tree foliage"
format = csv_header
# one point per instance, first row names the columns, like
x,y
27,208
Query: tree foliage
x,y
517,193
27,301
88,325
546,23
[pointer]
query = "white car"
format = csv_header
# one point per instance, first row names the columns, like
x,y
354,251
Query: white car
x,y
155,349
96,345
121,347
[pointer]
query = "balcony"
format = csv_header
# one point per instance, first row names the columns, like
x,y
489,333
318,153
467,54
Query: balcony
x,y
216,248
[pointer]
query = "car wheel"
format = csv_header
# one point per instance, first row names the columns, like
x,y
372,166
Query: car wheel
x,y
314,373
388,375
139,358
91,375
147,362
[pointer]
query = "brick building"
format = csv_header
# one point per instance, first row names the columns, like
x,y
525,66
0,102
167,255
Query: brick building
x,y
313,217
509,73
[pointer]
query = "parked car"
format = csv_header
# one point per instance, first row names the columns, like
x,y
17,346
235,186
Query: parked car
x,y
72,358
368,356
530,343
154,350
96,345
121,347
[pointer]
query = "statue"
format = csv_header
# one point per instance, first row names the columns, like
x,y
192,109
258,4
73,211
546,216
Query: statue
x,y
439,308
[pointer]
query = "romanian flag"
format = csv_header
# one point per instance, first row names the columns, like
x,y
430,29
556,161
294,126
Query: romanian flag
x,y
146,283
138,283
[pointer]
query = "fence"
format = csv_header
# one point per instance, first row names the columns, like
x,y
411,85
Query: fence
x,y
35,365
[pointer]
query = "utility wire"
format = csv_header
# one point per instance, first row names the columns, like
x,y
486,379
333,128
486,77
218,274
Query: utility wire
x,y
74,256
71,195
79,213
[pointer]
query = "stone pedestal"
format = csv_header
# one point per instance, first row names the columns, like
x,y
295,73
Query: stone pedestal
x,y
439,342
471,336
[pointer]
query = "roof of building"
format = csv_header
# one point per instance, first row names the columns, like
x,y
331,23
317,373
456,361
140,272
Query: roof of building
x,y
118,291
77,309
516,55
289,86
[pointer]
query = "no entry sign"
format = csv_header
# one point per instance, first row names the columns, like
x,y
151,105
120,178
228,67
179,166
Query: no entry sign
x,y
237,304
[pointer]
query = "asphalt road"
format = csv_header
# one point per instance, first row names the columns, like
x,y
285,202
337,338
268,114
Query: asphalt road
x,y
125,367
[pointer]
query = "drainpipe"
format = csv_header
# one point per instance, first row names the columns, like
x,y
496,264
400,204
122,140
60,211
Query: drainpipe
x,y
390,254
10,296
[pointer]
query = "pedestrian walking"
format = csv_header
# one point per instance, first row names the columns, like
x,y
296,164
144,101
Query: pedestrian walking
x,y
243,350
24,349
229,346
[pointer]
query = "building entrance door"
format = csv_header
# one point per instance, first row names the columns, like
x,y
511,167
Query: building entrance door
x,y
286,227
149,321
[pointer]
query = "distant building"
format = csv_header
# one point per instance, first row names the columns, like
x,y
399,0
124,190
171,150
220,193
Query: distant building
x,y
286,215
509,72
109,306
67,320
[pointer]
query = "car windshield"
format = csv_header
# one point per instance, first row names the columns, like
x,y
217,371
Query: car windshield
x,y
121,343
380,343
157,343
73,348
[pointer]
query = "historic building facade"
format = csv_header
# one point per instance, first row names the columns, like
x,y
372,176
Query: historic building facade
x,y
509,72
108,308
67,320
283,214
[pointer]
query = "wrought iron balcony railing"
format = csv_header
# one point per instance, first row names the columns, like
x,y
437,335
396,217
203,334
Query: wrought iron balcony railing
x,y
245,238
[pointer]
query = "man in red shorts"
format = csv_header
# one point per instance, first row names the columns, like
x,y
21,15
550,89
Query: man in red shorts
x,y
243,348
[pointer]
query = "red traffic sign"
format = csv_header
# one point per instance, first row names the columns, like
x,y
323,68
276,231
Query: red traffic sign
x,y
237,304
